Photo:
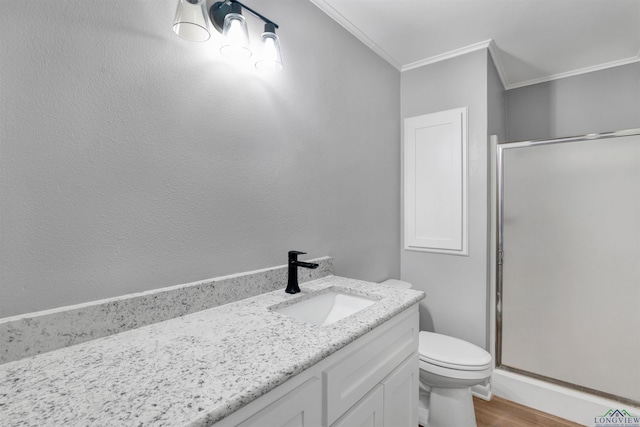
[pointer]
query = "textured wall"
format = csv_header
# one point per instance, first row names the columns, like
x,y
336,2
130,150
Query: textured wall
x,y
131,159
496,103
601,101
456,286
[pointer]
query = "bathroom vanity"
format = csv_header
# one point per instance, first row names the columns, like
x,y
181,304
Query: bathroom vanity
x,y
239,364
373,379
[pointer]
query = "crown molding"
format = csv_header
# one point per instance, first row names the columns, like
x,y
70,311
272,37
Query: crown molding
x,y
447,55
490,45
494,51
577,72
495,55
349,26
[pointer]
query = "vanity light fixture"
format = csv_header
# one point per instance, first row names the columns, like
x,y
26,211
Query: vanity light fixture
x,y
191,23
270,58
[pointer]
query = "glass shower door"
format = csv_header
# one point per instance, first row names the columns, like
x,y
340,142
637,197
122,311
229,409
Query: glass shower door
x,y
569,280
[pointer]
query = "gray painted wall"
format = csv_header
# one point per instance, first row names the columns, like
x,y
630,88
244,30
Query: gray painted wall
x,y
601,101
132,159
496,103
456,286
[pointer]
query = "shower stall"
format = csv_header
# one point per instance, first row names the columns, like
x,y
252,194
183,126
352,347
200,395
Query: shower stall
x,y
567,308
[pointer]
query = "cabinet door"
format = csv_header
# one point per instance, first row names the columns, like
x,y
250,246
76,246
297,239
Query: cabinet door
x,y
368,412
301,407
401,395
349,379
435,182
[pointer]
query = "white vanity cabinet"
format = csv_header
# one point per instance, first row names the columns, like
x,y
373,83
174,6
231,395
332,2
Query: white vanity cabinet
x,y
372,381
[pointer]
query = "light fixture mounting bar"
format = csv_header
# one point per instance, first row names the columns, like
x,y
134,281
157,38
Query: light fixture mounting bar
x,y
220,9
265,19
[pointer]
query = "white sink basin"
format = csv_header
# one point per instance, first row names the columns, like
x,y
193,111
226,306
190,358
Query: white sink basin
x,y
326,308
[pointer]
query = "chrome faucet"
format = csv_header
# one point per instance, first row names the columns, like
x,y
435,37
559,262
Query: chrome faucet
x,y
292,282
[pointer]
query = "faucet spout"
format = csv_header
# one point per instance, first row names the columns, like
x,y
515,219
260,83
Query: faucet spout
x,y
310,265
292,281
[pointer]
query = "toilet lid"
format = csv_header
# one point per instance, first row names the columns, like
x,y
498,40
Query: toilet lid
x,y
401,284
450,352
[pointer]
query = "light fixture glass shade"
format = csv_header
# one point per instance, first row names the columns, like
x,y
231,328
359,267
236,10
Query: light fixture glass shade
x,y
236,37
191,21
270,57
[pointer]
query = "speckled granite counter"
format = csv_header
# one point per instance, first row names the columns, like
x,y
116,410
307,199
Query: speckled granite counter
x,y
35,333
191,370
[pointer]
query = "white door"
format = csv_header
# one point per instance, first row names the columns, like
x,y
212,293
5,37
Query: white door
x,y
435,182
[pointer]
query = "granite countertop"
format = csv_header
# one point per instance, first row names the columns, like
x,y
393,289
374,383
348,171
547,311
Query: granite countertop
x,y
191,370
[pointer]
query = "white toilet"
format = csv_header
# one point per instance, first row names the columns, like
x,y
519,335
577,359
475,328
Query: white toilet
x,y
449,367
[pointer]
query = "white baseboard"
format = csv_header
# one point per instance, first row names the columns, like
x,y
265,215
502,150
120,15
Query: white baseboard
x,y
483,391
573,405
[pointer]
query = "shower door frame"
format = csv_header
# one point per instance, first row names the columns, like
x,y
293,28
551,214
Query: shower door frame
x,y
499,254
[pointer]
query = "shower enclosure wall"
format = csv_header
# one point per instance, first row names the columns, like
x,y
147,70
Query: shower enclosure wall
x,y
568,263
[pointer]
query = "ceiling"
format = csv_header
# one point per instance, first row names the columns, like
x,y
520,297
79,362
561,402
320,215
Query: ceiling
x,y
531,41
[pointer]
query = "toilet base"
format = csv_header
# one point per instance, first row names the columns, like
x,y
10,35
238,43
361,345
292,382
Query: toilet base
x,y
451,407
423,405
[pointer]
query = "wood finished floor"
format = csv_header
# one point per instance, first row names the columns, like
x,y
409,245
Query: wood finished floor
x,y
500,412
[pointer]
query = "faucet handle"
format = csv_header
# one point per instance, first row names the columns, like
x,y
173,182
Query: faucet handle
x,y
295,254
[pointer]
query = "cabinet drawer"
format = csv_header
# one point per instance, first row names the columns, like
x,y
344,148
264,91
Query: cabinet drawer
x,y
353,376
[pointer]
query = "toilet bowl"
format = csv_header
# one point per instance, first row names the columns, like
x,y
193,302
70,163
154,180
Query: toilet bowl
x,y
449,367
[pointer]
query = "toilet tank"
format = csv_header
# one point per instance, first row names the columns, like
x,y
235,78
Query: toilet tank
x,y
397,283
